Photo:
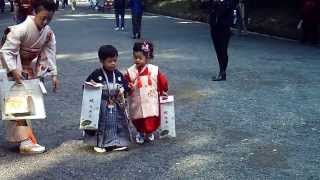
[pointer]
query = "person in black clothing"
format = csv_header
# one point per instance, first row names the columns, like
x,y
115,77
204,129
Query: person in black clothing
x,y
310,21
2,5
137,8
24,9
221,19
11,6
119,10
57,4
64,3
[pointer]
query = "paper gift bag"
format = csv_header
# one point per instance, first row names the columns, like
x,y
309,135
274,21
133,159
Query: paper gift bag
x,y
90,110
17,102
30,94
167,115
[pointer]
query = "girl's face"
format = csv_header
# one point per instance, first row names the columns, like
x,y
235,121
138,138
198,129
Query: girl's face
x,y
110,63
43,18
139,59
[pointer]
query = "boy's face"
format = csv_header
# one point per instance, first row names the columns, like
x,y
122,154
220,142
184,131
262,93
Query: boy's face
x,y
110,63
139,59
43,18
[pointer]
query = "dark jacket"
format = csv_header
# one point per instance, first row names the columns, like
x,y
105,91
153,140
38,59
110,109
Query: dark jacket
x,y
311,11
2,4
119,4
98,77
136,7
221,14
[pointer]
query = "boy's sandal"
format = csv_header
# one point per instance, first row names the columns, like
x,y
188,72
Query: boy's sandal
x,y
99,150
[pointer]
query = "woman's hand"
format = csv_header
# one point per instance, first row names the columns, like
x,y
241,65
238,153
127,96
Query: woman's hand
x,y
17,76
131,86
55,83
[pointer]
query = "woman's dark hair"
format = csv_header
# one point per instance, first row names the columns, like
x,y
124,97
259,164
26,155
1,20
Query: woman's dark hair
x,y
107,51
146,47
48,5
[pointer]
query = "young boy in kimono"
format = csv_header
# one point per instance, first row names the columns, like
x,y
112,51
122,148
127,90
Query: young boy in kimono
x,y
29,51
146,83
113,132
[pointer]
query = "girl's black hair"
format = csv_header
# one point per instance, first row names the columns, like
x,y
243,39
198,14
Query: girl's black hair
x,y
107,51
146,47
48,5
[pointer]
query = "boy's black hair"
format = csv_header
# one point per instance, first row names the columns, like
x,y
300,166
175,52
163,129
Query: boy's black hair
x,y
107,51
48,5
146,47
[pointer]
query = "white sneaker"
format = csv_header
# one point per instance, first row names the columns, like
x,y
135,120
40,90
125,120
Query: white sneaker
x,y
140,138
27,147
99,150
150,137
121,148
117,29
122,29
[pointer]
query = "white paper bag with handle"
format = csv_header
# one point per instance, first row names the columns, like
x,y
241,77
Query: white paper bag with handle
x,y
31,96
90,109
18,101
167,116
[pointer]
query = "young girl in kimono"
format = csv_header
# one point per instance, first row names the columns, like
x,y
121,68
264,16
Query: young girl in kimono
x,y
146,84
113,132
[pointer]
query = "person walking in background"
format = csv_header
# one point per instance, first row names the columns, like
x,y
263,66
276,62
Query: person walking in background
x,y
241,18
57,4
137,12
100,5
310,14
2,5
11,5
64,4
119,10
22,9
73,4
221,19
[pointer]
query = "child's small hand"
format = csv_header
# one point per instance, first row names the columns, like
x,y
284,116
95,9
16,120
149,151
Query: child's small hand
x,y
164,95
131,85
91,84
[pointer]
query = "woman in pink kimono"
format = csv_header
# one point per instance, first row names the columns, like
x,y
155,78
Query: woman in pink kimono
x,y
29,51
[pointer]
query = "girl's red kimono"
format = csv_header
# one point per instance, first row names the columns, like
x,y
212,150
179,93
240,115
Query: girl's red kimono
x,y
148,83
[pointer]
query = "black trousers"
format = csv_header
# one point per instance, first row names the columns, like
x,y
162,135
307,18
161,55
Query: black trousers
x,y
64,3
119,13
2,5
310,32
11,6
136,24
220,38
57,5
